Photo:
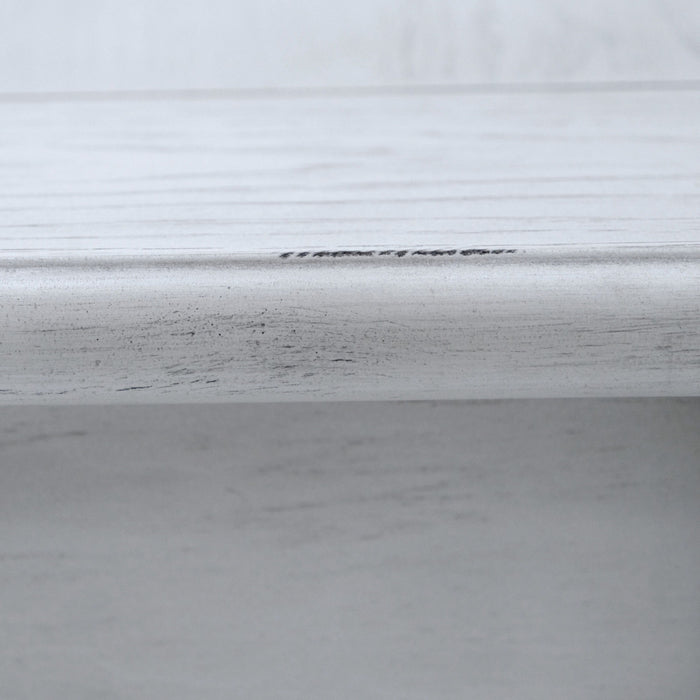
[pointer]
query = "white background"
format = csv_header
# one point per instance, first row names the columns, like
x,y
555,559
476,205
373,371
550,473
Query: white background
x,y
166,44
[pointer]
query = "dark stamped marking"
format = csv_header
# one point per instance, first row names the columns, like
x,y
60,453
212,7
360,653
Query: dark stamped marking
x,y
440,252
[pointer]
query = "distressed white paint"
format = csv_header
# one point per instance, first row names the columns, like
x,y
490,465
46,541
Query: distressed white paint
x,y
251,176
171,44
617,322
145,248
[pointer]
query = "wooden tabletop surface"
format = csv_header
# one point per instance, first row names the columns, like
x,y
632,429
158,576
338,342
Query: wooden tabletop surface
x,y
155,176
423,245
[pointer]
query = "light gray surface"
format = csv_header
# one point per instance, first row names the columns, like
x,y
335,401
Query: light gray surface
x,y
143,244
620,321
489,550
156,44
152,177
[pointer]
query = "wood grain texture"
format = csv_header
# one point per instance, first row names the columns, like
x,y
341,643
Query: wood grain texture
x,y
257,176
531,323
397,247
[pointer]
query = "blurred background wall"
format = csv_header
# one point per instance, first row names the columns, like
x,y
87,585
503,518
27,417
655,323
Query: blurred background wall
x,y
175,44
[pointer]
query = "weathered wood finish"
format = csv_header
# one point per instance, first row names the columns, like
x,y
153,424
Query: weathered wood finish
x,y
158,177
398,247
529,323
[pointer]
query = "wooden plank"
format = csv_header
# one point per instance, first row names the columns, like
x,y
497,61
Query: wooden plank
x,y
424,246
550,322
250,176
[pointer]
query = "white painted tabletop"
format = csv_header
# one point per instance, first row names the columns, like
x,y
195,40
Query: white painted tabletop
x,y
162,177
350,245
